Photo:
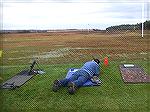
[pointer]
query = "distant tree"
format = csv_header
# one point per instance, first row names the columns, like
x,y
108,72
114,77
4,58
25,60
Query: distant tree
x,y
147,25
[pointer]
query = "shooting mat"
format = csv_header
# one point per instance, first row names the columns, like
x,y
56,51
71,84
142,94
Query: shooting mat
x,y
18,80
133,74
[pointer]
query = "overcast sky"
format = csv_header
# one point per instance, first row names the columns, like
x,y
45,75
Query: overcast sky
x,y
71,14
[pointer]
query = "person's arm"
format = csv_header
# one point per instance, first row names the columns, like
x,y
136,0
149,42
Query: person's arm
x,y
97,72
95,78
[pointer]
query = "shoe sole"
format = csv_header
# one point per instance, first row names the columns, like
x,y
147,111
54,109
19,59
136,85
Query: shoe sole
x,y
71,88
55,87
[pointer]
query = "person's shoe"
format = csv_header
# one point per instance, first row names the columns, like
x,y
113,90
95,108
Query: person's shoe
x,y
72,88
56,85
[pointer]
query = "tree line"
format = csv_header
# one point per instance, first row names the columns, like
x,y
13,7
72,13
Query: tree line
x,y
137,26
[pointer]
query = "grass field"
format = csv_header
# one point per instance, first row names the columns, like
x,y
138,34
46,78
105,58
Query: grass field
x,y
56,53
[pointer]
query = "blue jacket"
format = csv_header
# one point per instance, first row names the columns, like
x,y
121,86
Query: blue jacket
x,y
92,68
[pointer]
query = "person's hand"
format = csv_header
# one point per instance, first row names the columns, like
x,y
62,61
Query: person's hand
x,y
95,79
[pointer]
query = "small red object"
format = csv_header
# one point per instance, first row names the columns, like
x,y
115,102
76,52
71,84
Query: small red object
x,y
106,61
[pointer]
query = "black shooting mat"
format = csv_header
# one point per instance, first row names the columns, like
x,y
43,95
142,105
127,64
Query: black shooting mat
x,y
18,80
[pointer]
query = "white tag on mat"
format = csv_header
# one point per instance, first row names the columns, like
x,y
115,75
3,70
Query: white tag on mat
x,y
128,65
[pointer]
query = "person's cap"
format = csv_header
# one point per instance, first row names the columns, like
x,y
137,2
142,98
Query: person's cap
x,y
97,61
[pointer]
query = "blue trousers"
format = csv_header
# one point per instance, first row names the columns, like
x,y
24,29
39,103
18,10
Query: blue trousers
x,y
79,78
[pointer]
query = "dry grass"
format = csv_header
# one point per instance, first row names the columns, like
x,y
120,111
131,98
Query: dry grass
x,y
80,46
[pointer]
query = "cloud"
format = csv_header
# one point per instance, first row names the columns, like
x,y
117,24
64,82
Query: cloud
x,y
50,15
